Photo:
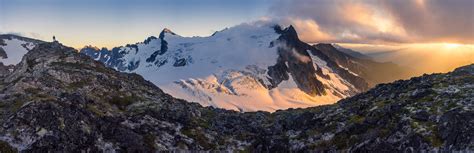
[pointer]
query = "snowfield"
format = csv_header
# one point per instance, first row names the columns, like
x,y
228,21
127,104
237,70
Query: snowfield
x,y
15,50
227,70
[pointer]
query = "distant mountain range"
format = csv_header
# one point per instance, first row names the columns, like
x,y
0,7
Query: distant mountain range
x,y
351,52
249,62
248,67
373,72
57,100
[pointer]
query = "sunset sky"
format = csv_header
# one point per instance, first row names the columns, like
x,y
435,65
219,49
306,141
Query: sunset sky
x,y
118,22
108,23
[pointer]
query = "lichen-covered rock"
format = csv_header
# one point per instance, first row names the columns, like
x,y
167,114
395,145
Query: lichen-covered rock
x,y
59,100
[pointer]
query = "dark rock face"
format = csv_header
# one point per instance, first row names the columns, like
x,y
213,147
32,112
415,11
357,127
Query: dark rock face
x,y
152,57
457,129
59,100
180,62
294,60
147,41
278,73
2,42
3,54
111,58
5,69
164,43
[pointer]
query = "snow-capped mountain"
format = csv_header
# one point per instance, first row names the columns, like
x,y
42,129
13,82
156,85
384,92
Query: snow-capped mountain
x,y
248,67
12,49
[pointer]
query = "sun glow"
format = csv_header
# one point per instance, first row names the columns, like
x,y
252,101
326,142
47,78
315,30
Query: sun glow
x,y
437,57
451,45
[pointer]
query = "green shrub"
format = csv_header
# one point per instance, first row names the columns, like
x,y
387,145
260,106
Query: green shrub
x,y
357,119
123,101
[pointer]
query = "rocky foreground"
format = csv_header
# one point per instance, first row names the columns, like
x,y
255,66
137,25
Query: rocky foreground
x,y
59,100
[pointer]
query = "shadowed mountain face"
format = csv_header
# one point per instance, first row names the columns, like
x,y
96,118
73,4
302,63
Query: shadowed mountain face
x,y
351,52
304,71
58,100
373,72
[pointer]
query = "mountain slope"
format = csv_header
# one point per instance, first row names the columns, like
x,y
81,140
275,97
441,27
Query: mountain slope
x,y
371,71
59,100
351,52
250,62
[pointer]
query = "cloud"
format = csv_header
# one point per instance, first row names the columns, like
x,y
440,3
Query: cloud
x,y
369,21
24,34
310,30
300,57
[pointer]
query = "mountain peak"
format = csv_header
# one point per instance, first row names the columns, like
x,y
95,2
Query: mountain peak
x,y
291,27
147,40
290,32
91,47
165,31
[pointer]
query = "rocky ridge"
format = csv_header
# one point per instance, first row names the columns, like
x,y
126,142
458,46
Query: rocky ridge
x,y
58,100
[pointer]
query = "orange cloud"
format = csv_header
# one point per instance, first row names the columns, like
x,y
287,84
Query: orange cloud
x,y
388,21
370,17
309,30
